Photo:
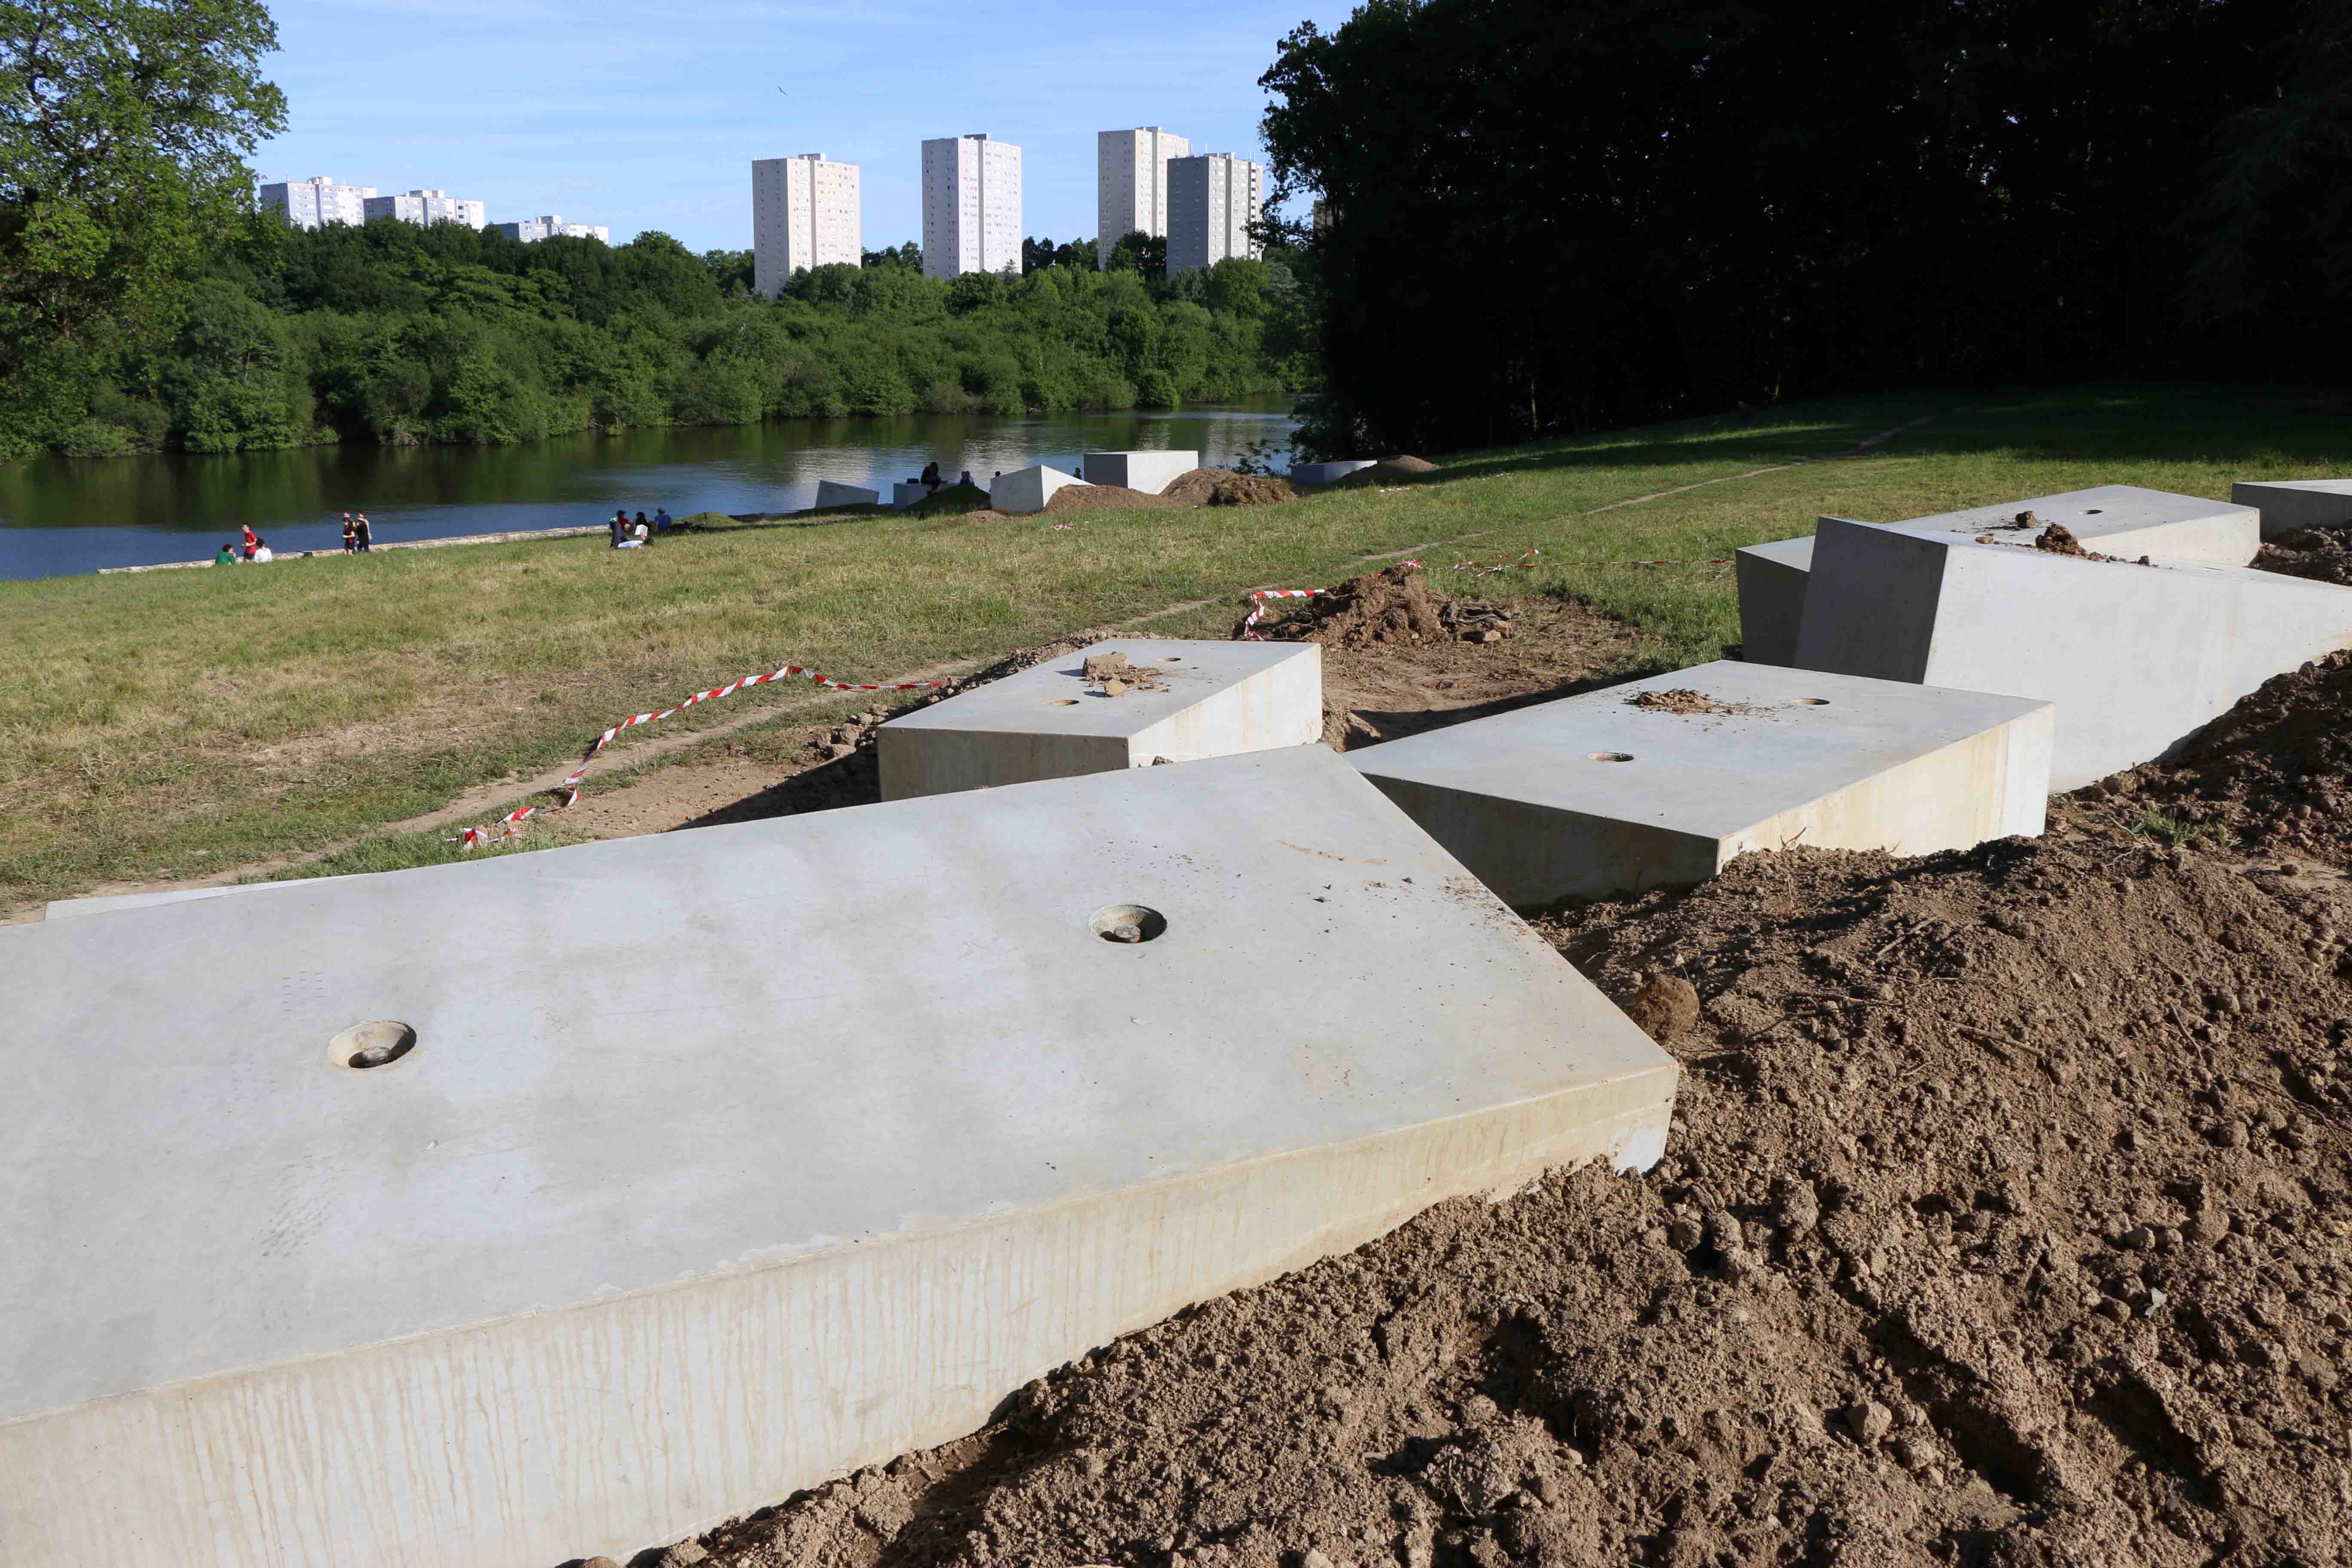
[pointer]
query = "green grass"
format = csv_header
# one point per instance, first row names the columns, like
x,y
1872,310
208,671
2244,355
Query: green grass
x,y
175,723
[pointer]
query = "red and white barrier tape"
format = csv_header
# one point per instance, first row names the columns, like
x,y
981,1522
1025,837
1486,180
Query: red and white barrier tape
x,y
1258,599
475,837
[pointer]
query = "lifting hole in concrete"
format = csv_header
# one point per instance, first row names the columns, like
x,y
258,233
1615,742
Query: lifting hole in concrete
x,y
1171,658
374,1045
1611,756
1127,922
1813,701
2093,510
1066,703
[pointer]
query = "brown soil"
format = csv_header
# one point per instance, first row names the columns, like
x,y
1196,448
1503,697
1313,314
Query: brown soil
x,y
1105,498
1222,486
2004,1221
1393,606
1682,699
1387,471
2324,555
2274,771
2059,540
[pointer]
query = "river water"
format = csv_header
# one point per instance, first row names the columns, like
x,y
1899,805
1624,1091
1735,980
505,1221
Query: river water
x,y
68,515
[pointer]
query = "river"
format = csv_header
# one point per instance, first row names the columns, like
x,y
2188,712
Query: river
x,y
62,515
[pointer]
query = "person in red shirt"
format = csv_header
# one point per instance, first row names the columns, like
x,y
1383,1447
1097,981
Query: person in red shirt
x,y
252,542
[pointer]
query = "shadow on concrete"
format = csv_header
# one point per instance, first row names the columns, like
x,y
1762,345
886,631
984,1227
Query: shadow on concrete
x,y
1395,725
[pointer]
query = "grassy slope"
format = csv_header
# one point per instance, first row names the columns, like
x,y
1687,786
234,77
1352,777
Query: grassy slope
x,y
175,723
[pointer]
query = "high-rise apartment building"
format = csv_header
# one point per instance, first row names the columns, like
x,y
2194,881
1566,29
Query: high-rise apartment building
x,y
804,213
972,206
1212,200
307,203
1131,183
428,207
553,226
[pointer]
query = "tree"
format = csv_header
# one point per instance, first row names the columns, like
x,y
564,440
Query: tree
x,y
1139,252
123,124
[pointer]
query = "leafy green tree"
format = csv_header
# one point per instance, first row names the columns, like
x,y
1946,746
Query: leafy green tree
x,y
1138,252
123,128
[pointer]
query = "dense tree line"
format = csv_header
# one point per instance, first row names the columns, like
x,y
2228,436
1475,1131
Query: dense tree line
x,y
395,333
1686,204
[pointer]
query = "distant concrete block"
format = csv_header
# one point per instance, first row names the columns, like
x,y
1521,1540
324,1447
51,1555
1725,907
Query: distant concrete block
x,y
2138,658
2120,520
1772,598
2289,504
860,1128
904,495
1324,473
1204,699
1593,794
829,493
1149,472
1029,488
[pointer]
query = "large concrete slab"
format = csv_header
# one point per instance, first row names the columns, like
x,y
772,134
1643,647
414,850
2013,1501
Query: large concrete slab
x,y
1324,473
1206,699
1149,472
1772,598
832,492
2288,504
2130,521
108,903
1597,794
726,1161
1028,490
2138,658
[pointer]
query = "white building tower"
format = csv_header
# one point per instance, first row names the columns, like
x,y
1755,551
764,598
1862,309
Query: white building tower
x,y
972,206
307,203
424,207
1131,183
805,213
1212,200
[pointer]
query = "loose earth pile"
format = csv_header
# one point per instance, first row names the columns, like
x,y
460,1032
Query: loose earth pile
x,y
1391,606
2322,555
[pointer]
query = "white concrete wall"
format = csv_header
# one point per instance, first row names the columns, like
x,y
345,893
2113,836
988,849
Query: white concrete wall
x,y
2136,658
1028,490
1149,472
2288,504
830,492
1772,598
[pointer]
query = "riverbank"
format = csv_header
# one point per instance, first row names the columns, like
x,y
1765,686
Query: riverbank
x,y
177,726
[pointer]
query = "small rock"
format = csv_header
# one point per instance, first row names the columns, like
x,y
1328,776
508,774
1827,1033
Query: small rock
x,y
838,750
1796,1206
1314,1558
1095,1464
1114,688
2138,1238
1685,1235
1664,1006
1869,1420
684,1554
1104,666
2207,1224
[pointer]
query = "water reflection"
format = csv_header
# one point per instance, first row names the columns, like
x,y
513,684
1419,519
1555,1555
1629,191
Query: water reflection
x,y
61,515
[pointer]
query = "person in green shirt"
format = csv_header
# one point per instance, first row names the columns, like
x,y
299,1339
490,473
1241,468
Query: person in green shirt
x,y
227,556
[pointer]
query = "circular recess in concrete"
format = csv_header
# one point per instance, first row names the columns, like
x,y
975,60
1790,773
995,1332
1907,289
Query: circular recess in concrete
x,y
1127,922
2093,510
1066,703
1171,658
1813,701
1611,756
374,1045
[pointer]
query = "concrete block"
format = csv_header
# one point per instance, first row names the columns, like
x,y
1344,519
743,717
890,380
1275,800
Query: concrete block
x,y
1147,471
1593,794
904,495
2138,658
1772,598
725,1162
77,909
2121,519
1029,488
2289,504
1213,700
829,493
1324,473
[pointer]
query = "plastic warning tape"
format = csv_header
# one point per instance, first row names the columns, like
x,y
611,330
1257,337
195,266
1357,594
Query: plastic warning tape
x,y
1258,599
474,838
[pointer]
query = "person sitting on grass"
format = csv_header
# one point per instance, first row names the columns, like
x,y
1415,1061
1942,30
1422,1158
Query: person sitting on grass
x,y
641,530
930,480
620,527
260,553
661,520
227,556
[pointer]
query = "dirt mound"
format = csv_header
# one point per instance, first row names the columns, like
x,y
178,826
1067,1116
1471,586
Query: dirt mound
x,y
2324,555
1103,497
2276,770
1222,486
1387,471
952,498
1682,699
2059,540
1391,606
2003,1222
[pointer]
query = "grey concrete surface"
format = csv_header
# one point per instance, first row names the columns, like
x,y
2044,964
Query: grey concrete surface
x,y
2289,504
1772,598
77,909
726,1161
2138,658
1028,490
1591,795
1324,473
1215,698
830,492
1147,471
2121,519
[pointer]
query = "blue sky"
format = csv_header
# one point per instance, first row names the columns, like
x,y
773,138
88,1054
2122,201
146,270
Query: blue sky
x,y
648,115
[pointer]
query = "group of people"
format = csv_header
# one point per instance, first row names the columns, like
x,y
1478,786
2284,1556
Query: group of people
x,y
628,535
931,480
355,533
256,550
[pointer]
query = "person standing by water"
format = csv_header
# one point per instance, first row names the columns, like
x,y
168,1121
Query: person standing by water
x,y
252,542
360,527
350,536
